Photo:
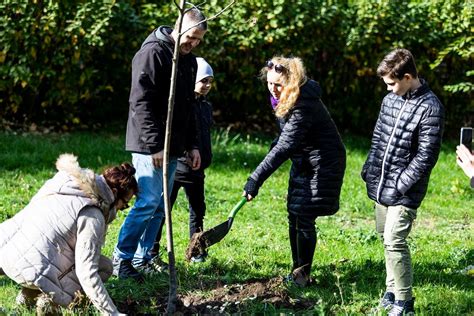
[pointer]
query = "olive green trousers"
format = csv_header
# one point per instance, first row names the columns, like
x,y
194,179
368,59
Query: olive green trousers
x,y
394,223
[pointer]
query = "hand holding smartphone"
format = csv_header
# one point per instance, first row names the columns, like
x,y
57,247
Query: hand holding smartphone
x,y
465,137
465,158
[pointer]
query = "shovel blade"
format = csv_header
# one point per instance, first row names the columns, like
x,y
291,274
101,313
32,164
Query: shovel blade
x,y
215,234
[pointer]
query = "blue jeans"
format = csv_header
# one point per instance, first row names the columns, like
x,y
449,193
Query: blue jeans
x,y
138,231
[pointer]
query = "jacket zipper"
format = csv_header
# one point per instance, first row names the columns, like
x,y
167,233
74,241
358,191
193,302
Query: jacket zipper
x,y
62,275
379,189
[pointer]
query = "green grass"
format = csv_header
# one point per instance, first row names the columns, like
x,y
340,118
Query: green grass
x,y
348,264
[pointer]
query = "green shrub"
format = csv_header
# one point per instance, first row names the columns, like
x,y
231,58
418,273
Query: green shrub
x,y
62,60
69,62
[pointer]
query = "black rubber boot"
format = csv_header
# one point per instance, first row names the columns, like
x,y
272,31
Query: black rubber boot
x,y
294,247
306,244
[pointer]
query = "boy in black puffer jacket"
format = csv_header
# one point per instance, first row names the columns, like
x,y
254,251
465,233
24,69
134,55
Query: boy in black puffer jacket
x,y
405,148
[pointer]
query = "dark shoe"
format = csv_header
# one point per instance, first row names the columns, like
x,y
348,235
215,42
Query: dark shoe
x,y
298,278
154,266
199,258
387,301
159,265
401,308
123,269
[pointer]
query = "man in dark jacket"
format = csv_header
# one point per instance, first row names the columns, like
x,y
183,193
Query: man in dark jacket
x,y
151,73
405,147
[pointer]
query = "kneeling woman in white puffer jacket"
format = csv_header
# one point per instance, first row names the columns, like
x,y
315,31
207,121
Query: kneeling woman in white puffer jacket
x,y
52,246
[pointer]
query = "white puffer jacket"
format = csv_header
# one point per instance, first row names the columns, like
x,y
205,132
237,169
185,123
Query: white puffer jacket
x,y
38,245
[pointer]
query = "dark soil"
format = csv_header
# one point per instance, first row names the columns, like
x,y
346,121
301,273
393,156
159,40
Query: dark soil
x,y
234,298
197,246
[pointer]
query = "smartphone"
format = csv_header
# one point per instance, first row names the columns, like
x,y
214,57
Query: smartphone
x,y
466,137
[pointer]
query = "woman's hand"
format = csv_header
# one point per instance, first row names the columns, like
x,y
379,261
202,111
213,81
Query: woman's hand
x,y
250,189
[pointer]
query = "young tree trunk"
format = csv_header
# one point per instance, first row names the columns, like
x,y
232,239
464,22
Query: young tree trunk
x,y
173,285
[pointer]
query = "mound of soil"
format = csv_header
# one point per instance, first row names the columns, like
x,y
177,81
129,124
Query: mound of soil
x,y
228,299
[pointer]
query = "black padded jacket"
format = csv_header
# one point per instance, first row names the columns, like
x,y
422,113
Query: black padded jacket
x,y
405,148
148,102
310,139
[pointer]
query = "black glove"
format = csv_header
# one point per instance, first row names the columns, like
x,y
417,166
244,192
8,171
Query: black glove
x,y
251,187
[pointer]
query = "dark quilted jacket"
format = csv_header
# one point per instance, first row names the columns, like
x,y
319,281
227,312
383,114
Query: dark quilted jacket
x,y
310,139
405,148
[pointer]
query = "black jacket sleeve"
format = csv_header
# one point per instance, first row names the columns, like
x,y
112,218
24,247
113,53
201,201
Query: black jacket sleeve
x,y
292,134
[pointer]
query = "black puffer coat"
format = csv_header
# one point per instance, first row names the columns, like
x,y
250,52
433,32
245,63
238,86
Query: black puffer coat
x,y
310,139
405,148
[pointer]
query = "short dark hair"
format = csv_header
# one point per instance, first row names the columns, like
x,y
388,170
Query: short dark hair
x,y
196,16
397,63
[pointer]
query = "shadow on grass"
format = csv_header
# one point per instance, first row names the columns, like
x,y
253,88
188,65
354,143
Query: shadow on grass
x,y
347,280
335,288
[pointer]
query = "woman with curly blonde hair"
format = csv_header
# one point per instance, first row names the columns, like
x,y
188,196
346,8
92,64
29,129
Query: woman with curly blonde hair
x,y
309,137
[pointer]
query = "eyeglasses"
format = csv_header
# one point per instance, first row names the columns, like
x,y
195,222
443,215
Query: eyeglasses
x,y
207,80
279,68
124,204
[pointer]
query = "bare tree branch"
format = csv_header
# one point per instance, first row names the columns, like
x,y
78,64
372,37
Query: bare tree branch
x,y
208,19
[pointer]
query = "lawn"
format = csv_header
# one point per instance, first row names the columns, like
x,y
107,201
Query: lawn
x,y
243,273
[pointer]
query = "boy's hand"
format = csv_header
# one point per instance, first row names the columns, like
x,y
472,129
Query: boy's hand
x,y
194,159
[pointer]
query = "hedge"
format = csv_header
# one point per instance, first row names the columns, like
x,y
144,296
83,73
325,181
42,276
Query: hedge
x,y
67,63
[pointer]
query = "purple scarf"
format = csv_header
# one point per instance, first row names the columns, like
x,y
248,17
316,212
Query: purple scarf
x,y
274,102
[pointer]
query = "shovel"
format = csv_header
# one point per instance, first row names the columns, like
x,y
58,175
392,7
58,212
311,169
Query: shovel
x,y
201,241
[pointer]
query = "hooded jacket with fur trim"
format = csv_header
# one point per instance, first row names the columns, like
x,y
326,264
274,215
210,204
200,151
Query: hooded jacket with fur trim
x,y
54,243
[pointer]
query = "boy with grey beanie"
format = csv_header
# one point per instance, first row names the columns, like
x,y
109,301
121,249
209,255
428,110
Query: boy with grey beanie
x,y
193,180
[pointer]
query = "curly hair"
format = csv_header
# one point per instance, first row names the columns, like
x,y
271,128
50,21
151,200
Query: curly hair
x,y
294,76
122,179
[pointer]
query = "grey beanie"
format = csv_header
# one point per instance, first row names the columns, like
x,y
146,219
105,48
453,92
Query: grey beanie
x,y
204,69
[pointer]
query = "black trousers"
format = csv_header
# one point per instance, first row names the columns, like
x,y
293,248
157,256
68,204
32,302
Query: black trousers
x,y
194,188
302,233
